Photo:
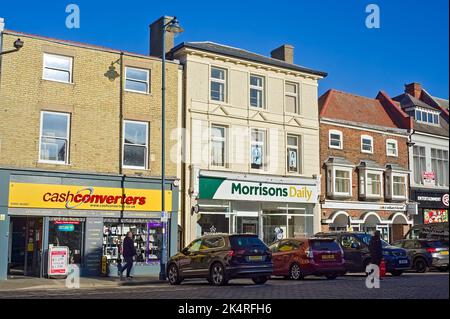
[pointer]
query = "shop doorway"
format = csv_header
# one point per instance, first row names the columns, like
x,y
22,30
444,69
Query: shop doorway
x,y
25,253
247,225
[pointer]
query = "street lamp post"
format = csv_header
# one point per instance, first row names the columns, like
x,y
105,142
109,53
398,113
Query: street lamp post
x,y
172,26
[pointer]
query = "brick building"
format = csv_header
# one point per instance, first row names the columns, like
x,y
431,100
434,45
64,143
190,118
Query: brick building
x,y
80,155
364,163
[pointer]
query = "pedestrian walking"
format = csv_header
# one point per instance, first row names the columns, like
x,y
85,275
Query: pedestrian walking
x,y
376,249
128,254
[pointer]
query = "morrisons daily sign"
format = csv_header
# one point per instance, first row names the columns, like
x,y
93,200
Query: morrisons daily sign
x,y
225,189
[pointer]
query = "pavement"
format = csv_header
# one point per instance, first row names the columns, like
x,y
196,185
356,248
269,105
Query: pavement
x,y
428,286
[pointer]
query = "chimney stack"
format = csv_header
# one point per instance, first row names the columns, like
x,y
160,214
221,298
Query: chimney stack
x,y
414,89
2,24
156,33
284,53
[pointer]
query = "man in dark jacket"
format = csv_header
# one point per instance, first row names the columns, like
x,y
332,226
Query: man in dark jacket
x,y
128,253
376,249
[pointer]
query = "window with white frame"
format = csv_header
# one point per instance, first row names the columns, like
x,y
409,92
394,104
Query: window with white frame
x,y
427,116
293,153
54,139
396,185
218,145
256,91
135,145
439,164
291,97
339,181
57,68
218,84
258,148
367,144
392,147
335,139
371,183
137,80
419,163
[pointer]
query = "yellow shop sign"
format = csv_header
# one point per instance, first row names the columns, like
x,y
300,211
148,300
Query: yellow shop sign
x,y
26,195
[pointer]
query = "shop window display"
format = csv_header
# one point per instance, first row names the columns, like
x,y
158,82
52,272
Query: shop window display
x,y
147,237
68,232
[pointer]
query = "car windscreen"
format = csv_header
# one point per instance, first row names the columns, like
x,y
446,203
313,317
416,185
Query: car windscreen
x,y
324,245
246,241
432,244
365,238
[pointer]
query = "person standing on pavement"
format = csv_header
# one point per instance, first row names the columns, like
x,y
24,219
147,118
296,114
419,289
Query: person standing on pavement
x,y
376,249
128,254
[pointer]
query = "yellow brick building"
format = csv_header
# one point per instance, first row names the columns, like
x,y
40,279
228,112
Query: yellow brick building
x,y
78,119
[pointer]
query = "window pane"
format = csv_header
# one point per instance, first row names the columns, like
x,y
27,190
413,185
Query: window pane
x,y
373,184
136,86
57,62
291,104
54,125
418,116
293,160
217,91
292,140
57,75
256,98
256,81
430,118
135,133
291,88
217,153
218,73
257,156
217,132
134,156
53,149
136,74
436,119
342,174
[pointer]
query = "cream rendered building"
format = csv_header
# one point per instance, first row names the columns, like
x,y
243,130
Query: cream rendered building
x,y
251,142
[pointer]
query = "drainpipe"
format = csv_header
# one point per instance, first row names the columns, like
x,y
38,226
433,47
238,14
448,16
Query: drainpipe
x,y
121,103
410,145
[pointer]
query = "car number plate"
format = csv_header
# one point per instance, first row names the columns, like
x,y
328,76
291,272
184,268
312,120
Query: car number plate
x,y
445,252
328,257
255,258
403,261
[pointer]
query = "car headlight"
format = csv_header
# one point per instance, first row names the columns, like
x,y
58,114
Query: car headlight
x,y
386,253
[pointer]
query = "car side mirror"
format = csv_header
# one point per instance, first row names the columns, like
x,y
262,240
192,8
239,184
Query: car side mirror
x,y
185,251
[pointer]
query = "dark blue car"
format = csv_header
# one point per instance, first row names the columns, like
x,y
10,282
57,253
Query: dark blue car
x,y
357,256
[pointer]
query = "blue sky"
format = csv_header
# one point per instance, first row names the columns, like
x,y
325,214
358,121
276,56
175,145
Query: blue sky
x,y
328,35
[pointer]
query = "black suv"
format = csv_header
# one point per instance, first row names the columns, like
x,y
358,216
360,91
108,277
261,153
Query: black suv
x,y
219,258
357,256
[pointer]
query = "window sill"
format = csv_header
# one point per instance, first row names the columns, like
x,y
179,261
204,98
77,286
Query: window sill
x,y
222,103
367,152
138,92
53,163
132,168
339,196
335,147
60,82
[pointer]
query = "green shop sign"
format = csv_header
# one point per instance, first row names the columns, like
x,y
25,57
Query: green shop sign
x,y
226,189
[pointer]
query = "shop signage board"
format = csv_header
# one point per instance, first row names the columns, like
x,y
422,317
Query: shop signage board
x,y
433,216
58,261
71,197
227,189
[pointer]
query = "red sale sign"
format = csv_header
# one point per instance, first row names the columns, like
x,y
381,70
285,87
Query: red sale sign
x,y
58,261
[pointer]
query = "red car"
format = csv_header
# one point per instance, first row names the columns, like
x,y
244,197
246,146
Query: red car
x,y
297,258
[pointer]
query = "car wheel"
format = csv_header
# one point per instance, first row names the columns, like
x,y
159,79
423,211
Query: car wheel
x,y
331,276
396,273
295,272
217,275
420,265
174,275
260,280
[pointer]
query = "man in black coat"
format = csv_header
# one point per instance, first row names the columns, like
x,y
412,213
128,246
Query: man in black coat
x,y
128,253
376,249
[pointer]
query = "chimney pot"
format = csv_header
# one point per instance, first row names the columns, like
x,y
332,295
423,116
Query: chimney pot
x,y
156,33
284,53
414,89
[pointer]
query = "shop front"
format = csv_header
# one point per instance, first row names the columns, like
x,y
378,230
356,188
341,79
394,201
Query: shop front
x,y
88,214
432,206
390,219
270,207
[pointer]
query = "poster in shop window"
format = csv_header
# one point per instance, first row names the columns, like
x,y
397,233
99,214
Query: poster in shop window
x,y
429,178
433,216
58,261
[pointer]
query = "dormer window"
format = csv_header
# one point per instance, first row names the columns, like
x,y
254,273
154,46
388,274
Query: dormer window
x,y
427,116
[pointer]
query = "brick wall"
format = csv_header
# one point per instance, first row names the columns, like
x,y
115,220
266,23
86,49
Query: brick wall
x,y
352,151
93,101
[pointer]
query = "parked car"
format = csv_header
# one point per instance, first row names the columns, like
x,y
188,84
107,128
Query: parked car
x,y
357,256
436,231
297,258
219,258
425,254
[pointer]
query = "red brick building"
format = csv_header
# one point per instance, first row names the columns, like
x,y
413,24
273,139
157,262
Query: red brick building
x,y
364,163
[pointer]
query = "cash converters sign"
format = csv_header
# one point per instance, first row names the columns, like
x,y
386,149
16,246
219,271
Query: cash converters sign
x,y
26,195
219,188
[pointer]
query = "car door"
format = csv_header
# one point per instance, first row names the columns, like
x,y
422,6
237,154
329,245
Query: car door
x,y
285,254
352,252
209,251
276,260
187,263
